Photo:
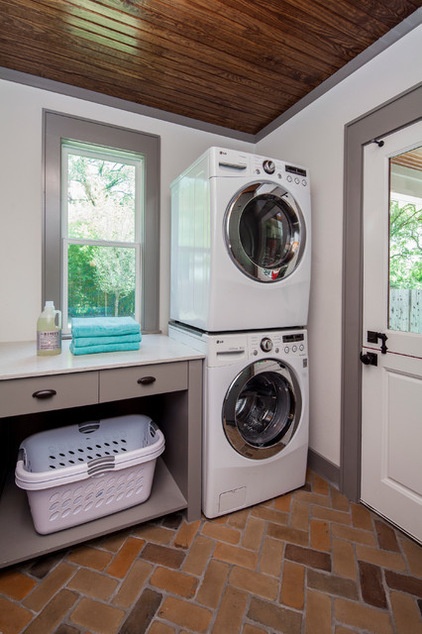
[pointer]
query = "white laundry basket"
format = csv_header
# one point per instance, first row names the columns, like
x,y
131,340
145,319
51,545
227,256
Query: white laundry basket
x,y
81,472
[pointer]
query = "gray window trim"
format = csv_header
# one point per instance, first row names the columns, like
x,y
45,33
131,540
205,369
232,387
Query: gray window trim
x,y
57,126
398,113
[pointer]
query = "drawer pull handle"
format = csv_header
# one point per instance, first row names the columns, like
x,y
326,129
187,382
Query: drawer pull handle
x,y
44,394
147,380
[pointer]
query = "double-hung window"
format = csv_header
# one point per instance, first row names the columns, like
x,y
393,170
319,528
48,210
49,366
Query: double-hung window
x,y
101,230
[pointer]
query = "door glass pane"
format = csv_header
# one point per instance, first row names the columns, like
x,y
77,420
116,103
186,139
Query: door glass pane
x,y
405,242
264,409
266,234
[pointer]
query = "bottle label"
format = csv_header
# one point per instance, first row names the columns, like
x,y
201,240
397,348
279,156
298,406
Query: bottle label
x,y
49,340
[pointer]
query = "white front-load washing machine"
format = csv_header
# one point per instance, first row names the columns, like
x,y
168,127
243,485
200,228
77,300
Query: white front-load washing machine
x,y
255,415
240,243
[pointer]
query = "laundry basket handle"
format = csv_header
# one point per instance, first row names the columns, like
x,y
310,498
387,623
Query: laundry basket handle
x,y
98,466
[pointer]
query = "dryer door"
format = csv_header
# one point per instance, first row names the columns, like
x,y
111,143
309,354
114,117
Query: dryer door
x,y
265,231
262,409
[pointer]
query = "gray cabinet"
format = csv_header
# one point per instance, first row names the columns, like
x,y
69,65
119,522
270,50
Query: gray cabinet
x,y
172,386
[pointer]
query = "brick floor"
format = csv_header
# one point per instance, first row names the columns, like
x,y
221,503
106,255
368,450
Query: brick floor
x,y
308,562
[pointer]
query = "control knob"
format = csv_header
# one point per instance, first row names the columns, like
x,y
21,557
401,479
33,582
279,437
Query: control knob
x,y
266,344
269,166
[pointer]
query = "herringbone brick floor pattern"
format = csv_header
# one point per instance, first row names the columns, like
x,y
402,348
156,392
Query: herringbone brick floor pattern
x,y
308,562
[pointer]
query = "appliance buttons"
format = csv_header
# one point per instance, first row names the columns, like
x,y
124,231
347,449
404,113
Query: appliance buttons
x,y
304,182
297,181
294,348
286,349
289,179
301,347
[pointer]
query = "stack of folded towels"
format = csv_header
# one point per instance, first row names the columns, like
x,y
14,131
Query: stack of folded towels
x,y
104,334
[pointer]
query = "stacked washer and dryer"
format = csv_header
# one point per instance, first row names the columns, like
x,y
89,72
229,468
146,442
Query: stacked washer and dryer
x,y
240,283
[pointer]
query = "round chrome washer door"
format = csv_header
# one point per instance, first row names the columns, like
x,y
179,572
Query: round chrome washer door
x,y
262,409
265,231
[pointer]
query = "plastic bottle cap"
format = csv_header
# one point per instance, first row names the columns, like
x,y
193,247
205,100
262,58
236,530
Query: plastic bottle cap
x,y
49,304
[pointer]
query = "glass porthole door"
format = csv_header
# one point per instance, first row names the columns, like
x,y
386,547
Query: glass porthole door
x,y
265,231
262,409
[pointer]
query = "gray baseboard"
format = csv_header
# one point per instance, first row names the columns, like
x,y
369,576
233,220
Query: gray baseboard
x,y
324,467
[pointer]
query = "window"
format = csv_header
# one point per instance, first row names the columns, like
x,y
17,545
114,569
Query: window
x,y
101,230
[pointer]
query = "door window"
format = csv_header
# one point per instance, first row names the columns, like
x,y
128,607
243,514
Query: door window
x,y
262,409
265,232
405,242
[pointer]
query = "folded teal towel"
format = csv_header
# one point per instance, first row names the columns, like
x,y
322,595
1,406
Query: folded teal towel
x,y
83,342
116,347
104,326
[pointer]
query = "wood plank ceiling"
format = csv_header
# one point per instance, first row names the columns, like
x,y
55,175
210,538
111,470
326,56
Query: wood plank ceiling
x,y
233,63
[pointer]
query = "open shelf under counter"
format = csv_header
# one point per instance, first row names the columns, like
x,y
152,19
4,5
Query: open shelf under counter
x,y
19,541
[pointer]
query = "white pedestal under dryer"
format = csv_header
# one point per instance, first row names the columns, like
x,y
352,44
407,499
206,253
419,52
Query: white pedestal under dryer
x,y
255,415
240,243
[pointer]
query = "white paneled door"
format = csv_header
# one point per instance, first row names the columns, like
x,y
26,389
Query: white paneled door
x,y
392,329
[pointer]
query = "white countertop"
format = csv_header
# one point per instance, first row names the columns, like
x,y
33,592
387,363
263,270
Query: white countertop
x,y
20,360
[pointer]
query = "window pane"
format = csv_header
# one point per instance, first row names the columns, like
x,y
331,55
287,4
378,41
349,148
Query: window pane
x,y
405,261
100,199
101,281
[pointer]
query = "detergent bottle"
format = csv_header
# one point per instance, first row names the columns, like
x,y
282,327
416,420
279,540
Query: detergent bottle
x,y
49,331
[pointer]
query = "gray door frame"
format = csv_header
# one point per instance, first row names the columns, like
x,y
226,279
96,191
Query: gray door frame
x,y
388,118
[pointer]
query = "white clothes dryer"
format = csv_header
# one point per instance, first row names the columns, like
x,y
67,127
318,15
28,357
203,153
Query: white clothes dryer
x,y
255,415
241,243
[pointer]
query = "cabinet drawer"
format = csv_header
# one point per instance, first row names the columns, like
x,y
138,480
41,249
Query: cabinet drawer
x,y
41,394
142,381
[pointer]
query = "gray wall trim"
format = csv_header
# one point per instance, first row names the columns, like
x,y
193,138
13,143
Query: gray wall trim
x,y
395,34
399,112
323,467
122,104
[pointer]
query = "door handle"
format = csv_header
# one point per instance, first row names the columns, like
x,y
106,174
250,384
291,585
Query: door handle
x,y
369,358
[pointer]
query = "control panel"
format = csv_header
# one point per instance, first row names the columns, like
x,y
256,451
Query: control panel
x,y
280,170
276,343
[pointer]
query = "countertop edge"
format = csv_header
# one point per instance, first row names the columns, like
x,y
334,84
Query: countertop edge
x,y
19,360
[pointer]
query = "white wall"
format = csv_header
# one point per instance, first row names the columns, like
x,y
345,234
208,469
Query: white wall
x,y
315,138
21,192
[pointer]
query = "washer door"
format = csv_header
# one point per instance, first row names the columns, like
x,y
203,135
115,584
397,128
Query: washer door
x,y
265,231
262,409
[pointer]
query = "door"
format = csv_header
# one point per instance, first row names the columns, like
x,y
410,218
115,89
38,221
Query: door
x,y
265,231
262,409
392,329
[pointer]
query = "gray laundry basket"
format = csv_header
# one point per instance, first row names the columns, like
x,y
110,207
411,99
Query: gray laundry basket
x,y
82,472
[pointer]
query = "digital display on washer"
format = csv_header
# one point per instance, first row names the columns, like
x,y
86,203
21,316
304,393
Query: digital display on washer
x,y
291,338
295,170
